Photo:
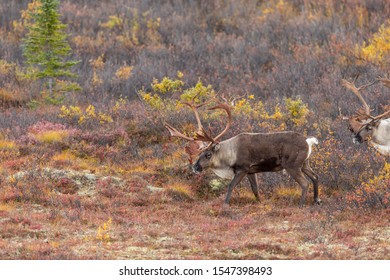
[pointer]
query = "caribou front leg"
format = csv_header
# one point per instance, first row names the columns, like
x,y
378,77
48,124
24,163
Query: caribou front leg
x,y
239,175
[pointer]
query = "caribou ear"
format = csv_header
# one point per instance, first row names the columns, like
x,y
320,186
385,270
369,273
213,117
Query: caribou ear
x,y
216,147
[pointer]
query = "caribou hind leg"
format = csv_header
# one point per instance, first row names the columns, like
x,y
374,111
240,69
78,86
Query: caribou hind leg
x,y
300,178
314,178
253,182
255,187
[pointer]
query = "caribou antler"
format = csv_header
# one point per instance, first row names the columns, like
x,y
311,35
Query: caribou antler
x,y
385,81
382,116
225,107
201,134
356,91
198,142
173,132
232,99
205,136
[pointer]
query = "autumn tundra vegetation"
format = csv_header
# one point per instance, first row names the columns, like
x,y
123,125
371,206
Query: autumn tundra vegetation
x,y
89,170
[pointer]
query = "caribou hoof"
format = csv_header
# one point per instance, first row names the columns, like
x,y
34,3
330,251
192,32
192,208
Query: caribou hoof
x,y
225,207
226,211
318,202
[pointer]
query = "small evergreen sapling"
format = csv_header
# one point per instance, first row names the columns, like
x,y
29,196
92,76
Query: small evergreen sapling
x,y
46,48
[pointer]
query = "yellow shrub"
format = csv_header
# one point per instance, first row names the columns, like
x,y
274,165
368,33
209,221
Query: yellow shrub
x,y
7,145
96,80
76,113
124,72
288,192
181,188
64,156
297,110
180,192
112,22
6,95
373,194
377,50
98,63
277,115
104,118
201,92
6,67
6,207
51,136
276,6
90,111
103,232
119,104
70,112
243,107
26,17
167,85
153,100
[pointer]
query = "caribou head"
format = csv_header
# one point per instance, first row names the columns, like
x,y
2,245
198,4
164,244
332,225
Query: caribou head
x,y
201,140
364,126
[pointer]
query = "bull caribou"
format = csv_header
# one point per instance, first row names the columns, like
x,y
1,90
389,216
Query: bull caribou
x,y
364,126
249,153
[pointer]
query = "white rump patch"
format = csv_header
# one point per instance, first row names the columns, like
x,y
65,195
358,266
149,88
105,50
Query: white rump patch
x,y
310,141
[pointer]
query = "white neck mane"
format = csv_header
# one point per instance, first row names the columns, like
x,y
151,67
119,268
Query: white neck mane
x,y
384,150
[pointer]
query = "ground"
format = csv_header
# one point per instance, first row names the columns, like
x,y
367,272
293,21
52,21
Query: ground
x,y
159,224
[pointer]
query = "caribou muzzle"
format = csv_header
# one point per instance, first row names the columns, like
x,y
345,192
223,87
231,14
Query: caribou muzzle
x,y
196,168
357,139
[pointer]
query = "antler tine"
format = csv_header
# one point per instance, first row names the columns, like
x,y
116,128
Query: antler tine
x,y
381,116
231,99
225,107
240,96
385,81
356,91
196,113
195,108
367,85
175,133
204,136
224,99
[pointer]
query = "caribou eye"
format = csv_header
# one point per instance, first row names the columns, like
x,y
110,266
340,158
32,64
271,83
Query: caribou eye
x,y
208,155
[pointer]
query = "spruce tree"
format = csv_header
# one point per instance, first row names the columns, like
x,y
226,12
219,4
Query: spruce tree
x,y
46,48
